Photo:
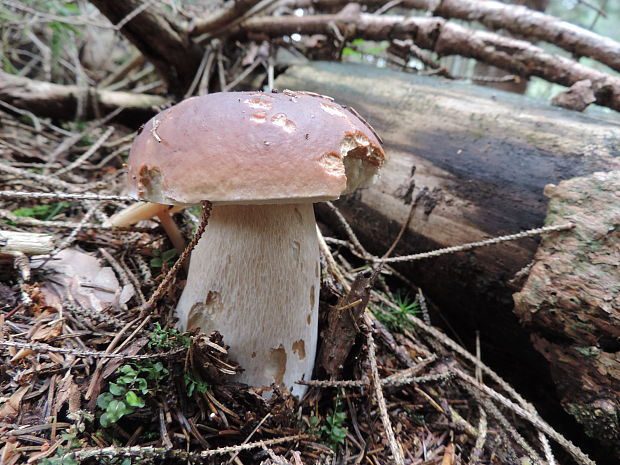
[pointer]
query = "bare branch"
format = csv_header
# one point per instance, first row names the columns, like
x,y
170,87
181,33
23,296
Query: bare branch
x,y
60,101
516,19
160,39
446,38
229,12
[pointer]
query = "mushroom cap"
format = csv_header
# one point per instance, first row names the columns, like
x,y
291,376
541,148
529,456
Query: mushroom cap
x,y
253,148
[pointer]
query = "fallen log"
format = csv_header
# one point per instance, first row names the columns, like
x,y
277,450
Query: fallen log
x,y
475,161
70,101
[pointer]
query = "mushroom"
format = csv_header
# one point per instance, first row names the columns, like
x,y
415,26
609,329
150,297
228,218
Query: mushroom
x,y
262,160
145,211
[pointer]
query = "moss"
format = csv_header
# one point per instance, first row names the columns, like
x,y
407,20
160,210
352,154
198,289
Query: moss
x,y
599,421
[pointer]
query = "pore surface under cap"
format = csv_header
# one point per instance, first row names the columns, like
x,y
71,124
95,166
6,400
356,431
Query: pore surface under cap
x,y
253,147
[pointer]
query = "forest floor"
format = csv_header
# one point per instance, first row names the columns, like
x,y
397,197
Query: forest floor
x,y
92,373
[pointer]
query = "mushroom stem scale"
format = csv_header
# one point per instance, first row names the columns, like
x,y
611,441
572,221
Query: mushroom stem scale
x,y
254,276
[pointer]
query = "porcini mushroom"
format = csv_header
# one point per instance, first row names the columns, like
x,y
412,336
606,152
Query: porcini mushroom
x,y
263,160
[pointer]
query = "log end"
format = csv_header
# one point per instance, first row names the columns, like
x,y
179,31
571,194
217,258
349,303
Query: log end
x,y
571,301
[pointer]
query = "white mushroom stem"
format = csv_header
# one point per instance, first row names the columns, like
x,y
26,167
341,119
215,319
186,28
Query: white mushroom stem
x,y
254,276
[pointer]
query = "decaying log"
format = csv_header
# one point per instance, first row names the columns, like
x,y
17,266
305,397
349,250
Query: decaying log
x,y
447,38
62,101
571,301
476,161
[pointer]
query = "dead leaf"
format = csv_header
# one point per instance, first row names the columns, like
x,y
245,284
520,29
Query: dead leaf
x,y
78,276
8,456
10,409
449,457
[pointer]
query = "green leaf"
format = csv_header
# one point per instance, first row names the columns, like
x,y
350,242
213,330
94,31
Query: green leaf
x,y
126,379
168,255
142,385
128,370
117,390
133,400
104,420
116,410
347,51
104,399
156,262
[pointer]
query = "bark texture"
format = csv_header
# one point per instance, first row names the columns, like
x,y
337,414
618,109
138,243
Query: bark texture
x,y
482,69
160,39
571,301
63,101
343,326
517,20
446,38
229,12
476,161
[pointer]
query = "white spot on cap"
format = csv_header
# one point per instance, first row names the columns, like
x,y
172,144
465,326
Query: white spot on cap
x,y
280,120
332,110
259,117
258,103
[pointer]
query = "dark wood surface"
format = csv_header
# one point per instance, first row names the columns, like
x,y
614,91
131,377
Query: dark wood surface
x,y
478,159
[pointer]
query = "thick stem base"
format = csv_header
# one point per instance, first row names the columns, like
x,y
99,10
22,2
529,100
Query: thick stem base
x,y
254,277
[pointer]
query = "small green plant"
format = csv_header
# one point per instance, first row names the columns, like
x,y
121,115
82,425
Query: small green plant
x,y
167,338
194,384
360,47
397,319
42,212
333,432
127,394
160,257
72,442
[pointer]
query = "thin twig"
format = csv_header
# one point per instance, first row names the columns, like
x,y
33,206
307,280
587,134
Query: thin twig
x,y
67,241
260,423
33,222
395,447
123,274
177,454
473,245
577,454
86,155
86,353
159,292
345,224
392,380
132,14
476,453
62,195
547,448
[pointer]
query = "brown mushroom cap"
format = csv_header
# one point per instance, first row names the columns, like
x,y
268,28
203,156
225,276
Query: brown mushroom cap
x,y
253,148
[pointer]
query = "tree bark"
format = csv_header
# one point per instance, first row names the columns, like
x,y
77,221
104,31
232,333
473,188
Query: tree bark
x,y
62,101
446,38
160,39
488,71
477,161
517,20
571,301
